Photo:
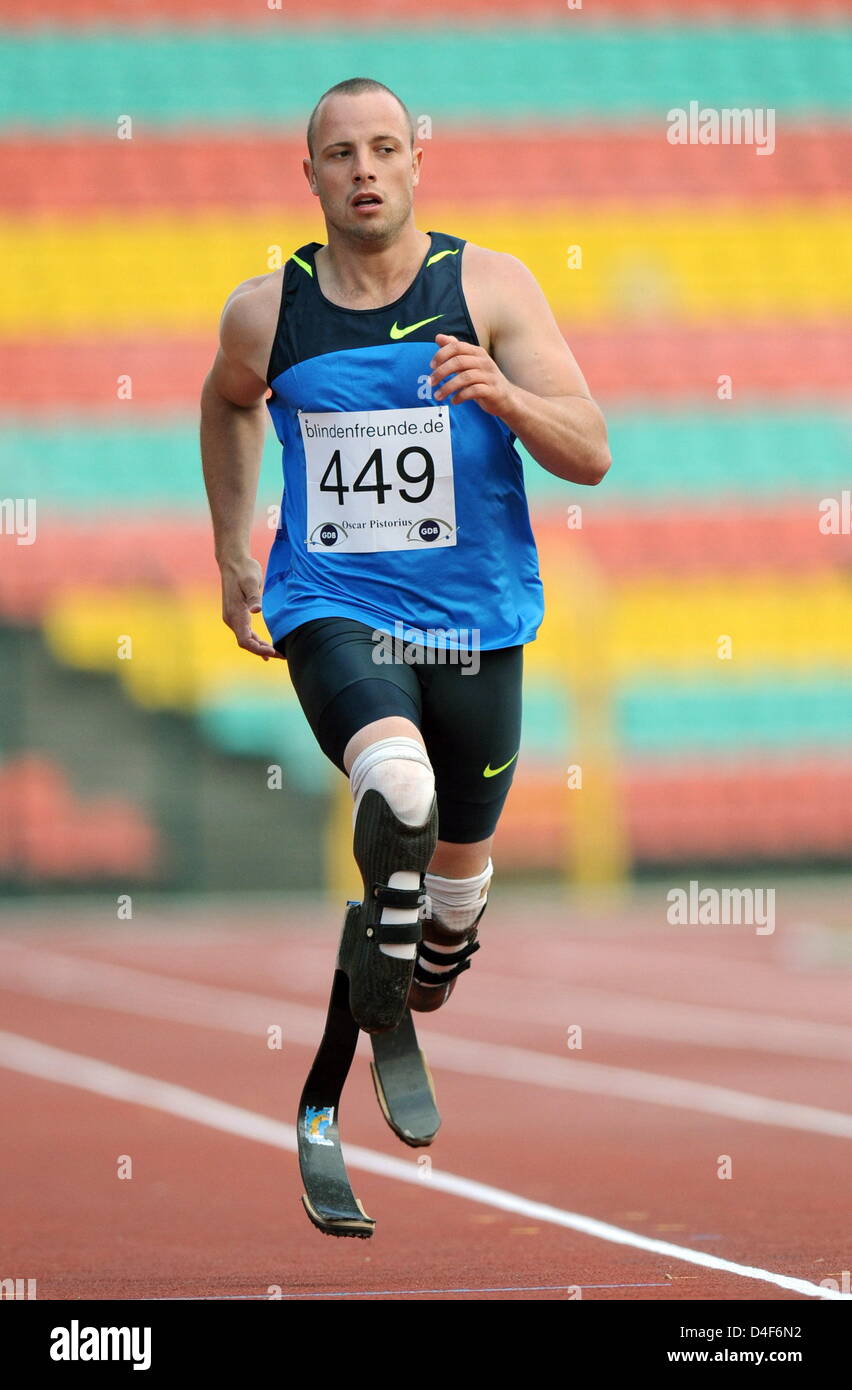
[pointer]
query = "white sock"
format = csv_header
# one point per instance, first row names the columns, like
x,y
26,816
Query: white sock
x,y
456,902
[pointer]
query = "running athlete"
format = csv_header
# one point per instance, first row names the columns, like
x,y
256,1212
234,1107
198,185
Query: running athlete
x,y
403,581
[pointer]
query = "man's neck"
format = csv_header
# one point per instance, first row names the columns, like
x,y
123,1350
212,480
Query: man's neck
x,y
370,274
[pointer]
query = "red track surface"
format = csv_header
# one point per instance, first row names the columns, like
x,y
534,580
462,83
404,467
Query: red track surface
x,y
212,1214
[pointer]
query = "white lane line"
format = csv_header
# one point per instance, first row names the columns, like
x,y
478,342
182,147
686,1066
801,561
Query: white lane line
x,y
390,1293
546,999
669,1020
124,989
506,1063
541,1001
54,1064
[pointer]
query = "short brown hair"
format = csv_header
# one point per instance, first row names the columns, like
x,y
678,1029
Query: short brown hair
x,y
353,87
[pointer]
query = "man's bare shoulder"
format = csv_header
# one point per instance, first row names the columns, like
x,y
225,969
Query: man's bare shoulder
x,y
493,280
253,299
249,319
494,267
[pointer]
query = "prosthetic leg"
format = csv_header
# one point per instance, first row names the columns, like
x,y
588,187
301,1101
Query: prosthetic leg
x,y
328,1198
378,982
369,991
403,1085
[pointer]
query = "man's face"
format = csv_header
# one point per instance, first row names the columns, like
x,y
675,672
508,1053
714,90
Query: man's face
x,y
362,151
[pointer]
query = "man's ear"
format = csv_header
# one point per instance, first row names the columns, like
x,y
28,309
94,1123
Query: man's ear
x,y
308,166
417,160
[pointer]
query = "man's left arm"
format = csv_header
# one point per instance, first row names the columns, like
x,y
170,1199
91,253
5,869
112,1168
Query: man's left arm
x,y
531,380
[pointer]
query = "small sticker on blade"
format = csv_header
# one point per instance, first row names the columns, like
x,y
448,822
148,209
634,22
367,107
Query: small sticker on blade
x,y
317,1121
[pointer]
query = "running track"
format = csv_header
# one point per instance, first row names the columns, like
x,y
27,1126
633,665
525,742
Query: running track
x,y
554,1170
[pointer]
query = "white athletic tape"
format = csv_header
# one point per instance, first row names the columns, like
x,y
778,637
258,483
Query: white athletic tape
x,y
456,902
400,769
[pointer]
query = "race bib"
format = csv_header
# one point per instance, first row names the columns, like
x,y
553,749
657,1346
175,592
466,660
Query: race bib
x,y
379,479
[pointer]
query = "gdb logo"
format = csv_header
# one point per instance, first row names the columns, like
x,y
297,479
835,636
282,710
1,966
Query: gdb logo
x,y
429,530
327,533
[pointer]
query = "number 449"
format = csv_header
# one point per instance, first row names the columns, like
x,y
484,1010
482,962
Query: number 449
x,y
380,487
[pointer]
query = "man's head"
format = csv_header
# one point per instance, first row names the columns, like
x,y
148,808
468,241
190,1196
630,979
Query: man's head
x,y
361,142
355,87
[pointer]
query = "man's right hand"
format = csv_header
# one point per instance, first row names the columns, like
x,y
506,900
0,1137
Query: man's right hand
x,y
241,592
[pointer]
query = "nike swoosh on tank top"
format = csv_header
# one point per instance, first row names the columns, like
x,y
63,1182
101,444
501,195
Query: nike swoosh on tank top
x,y
396,509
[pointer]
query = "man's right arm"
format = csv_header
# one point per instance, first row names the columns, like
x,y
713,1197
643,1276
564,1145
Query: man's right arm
x,y
233,427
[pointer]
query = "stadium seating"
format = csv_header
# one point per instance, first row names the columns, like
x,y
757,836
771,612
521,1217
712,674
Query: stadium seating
x,y
701,265
51,834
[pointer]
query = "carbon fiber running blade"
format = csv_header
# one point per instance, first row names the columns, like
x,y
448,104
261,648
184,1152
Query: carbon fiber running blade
x,y
328,1198
403,1083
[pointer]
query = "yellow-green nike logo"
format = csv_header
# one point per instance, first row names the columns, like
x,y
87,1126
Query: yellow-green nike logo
x,y
440,254
397,332
492,771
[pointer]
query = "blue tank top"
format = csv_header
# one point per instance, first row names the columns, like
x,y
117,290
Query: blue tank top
x,y
396,509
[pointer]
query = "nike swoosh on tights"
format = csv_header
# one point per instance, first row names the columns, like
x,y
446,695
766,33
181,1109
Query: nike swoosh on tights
x,y
490,771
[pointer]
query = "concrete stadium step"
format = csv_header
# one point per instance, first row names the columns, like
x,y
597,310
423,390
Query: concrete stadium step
x,y
213,818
